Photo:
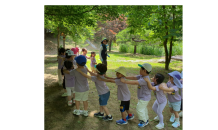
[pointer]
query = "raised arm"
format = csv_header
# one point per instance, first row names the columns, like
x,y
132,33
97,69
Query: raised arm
x,y
165,88
105,80
85,75
108,77
149,84
92,74
129,82
59,57
131,78
66,71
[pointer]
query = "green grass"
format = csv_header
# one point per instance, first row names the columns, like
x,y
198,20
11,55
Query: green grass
x,y
58,116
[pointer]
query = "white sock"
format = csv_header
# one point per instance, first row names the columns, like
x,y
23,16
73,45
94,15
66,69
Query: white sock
x,y
102,112
109,115
177,120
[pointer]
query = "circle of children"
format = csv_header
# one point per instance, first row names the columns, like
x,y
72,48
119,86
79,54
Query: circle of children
x,y
73,67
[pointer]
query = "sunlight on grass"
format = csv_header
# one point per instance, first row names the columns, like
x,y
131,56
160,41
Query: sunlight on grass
x,y
91,114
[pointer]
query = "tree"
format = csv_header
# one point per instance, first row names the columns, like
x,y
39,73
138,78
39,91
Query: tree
x,y
109,29
165,21
73,17
124,37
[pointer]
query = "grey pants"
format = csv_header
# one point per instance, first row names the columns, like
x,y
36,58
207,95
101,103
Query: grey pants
x,y
104,62
158,109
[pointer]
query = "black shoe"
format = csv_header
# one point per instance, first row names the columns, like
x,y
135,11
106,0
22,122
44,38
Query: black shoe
x,y
99,114
107,118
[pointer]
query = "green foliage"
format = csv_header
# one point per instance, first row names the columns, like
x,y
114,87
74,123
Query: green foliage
x,y
150,49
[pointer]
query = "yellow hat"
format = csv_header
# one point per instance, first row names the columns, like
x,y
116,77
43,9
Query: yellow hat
x,y
121,70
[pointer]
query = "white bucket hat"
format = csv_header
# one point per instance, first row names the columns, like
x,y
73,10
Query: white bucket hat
x,y
121,70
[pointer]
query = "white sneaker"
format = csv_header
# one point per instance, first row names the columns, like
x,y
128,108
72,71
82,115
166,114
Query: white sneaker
x,y
64,95
159,126
70,103
156,118
76,112
180,114
85,113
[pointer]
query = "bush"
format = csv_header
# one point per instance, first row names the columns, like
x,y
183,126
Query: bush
x,y
150,50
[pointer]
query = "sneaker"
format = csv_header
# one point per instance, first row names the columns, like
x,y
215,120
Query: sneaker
x,y
156,118
121,122
76,112
176,124
129,117
64,95
85,113
99,114
159,126
172,118
141,124
70,103
107,118
180,114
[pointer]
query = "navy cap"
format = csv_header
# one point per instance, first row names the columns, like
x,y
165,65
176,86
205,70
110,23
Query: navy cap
x,y
81,60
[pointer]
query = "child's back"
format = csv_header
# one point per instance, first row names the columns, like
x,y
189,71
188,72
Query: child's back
x,y
100,85
143,92
81,82
123,92
174,97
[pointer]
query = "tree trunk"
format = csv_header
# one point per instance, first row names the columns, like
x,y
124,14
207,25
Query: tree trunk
x,y
110,45
171,41
64,41
58,38
165,44
134,49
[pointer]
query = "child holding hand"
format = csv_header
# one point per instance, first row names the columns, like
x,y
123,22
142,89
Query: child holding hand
x,y
103,90
123,95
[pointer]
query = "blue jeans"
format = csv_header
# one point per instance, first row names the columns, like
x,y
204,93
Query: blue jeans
x,y
104,98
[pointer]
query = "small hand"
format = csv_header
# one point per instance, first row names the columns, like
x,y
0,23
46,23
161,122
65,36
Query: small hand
x,y
146,79
99,78
122,80
78,69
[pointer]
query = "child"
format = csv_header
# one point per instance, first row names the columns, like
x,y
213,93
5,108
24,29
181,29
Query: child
x,y
69,82
81,86
158,87
123,94
143,93
69,57
180,114
174,99
61,54
103,90
84,52
93,62
103,51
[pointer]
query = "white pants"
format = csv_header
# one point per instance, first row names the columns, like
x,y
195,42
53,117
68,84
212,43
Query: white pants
x,y
60,79
142,110
69,90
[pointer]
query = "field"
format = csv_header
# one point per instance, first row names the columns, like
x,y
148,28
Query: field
x,y
59,116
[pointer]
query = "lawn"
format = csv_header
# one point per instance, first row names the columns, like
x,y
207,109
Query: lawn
x,y
59,116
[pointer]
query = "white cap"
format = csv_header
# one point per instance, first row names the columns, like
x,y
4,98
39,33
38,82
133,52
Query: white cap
x,y
70,53
146,66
